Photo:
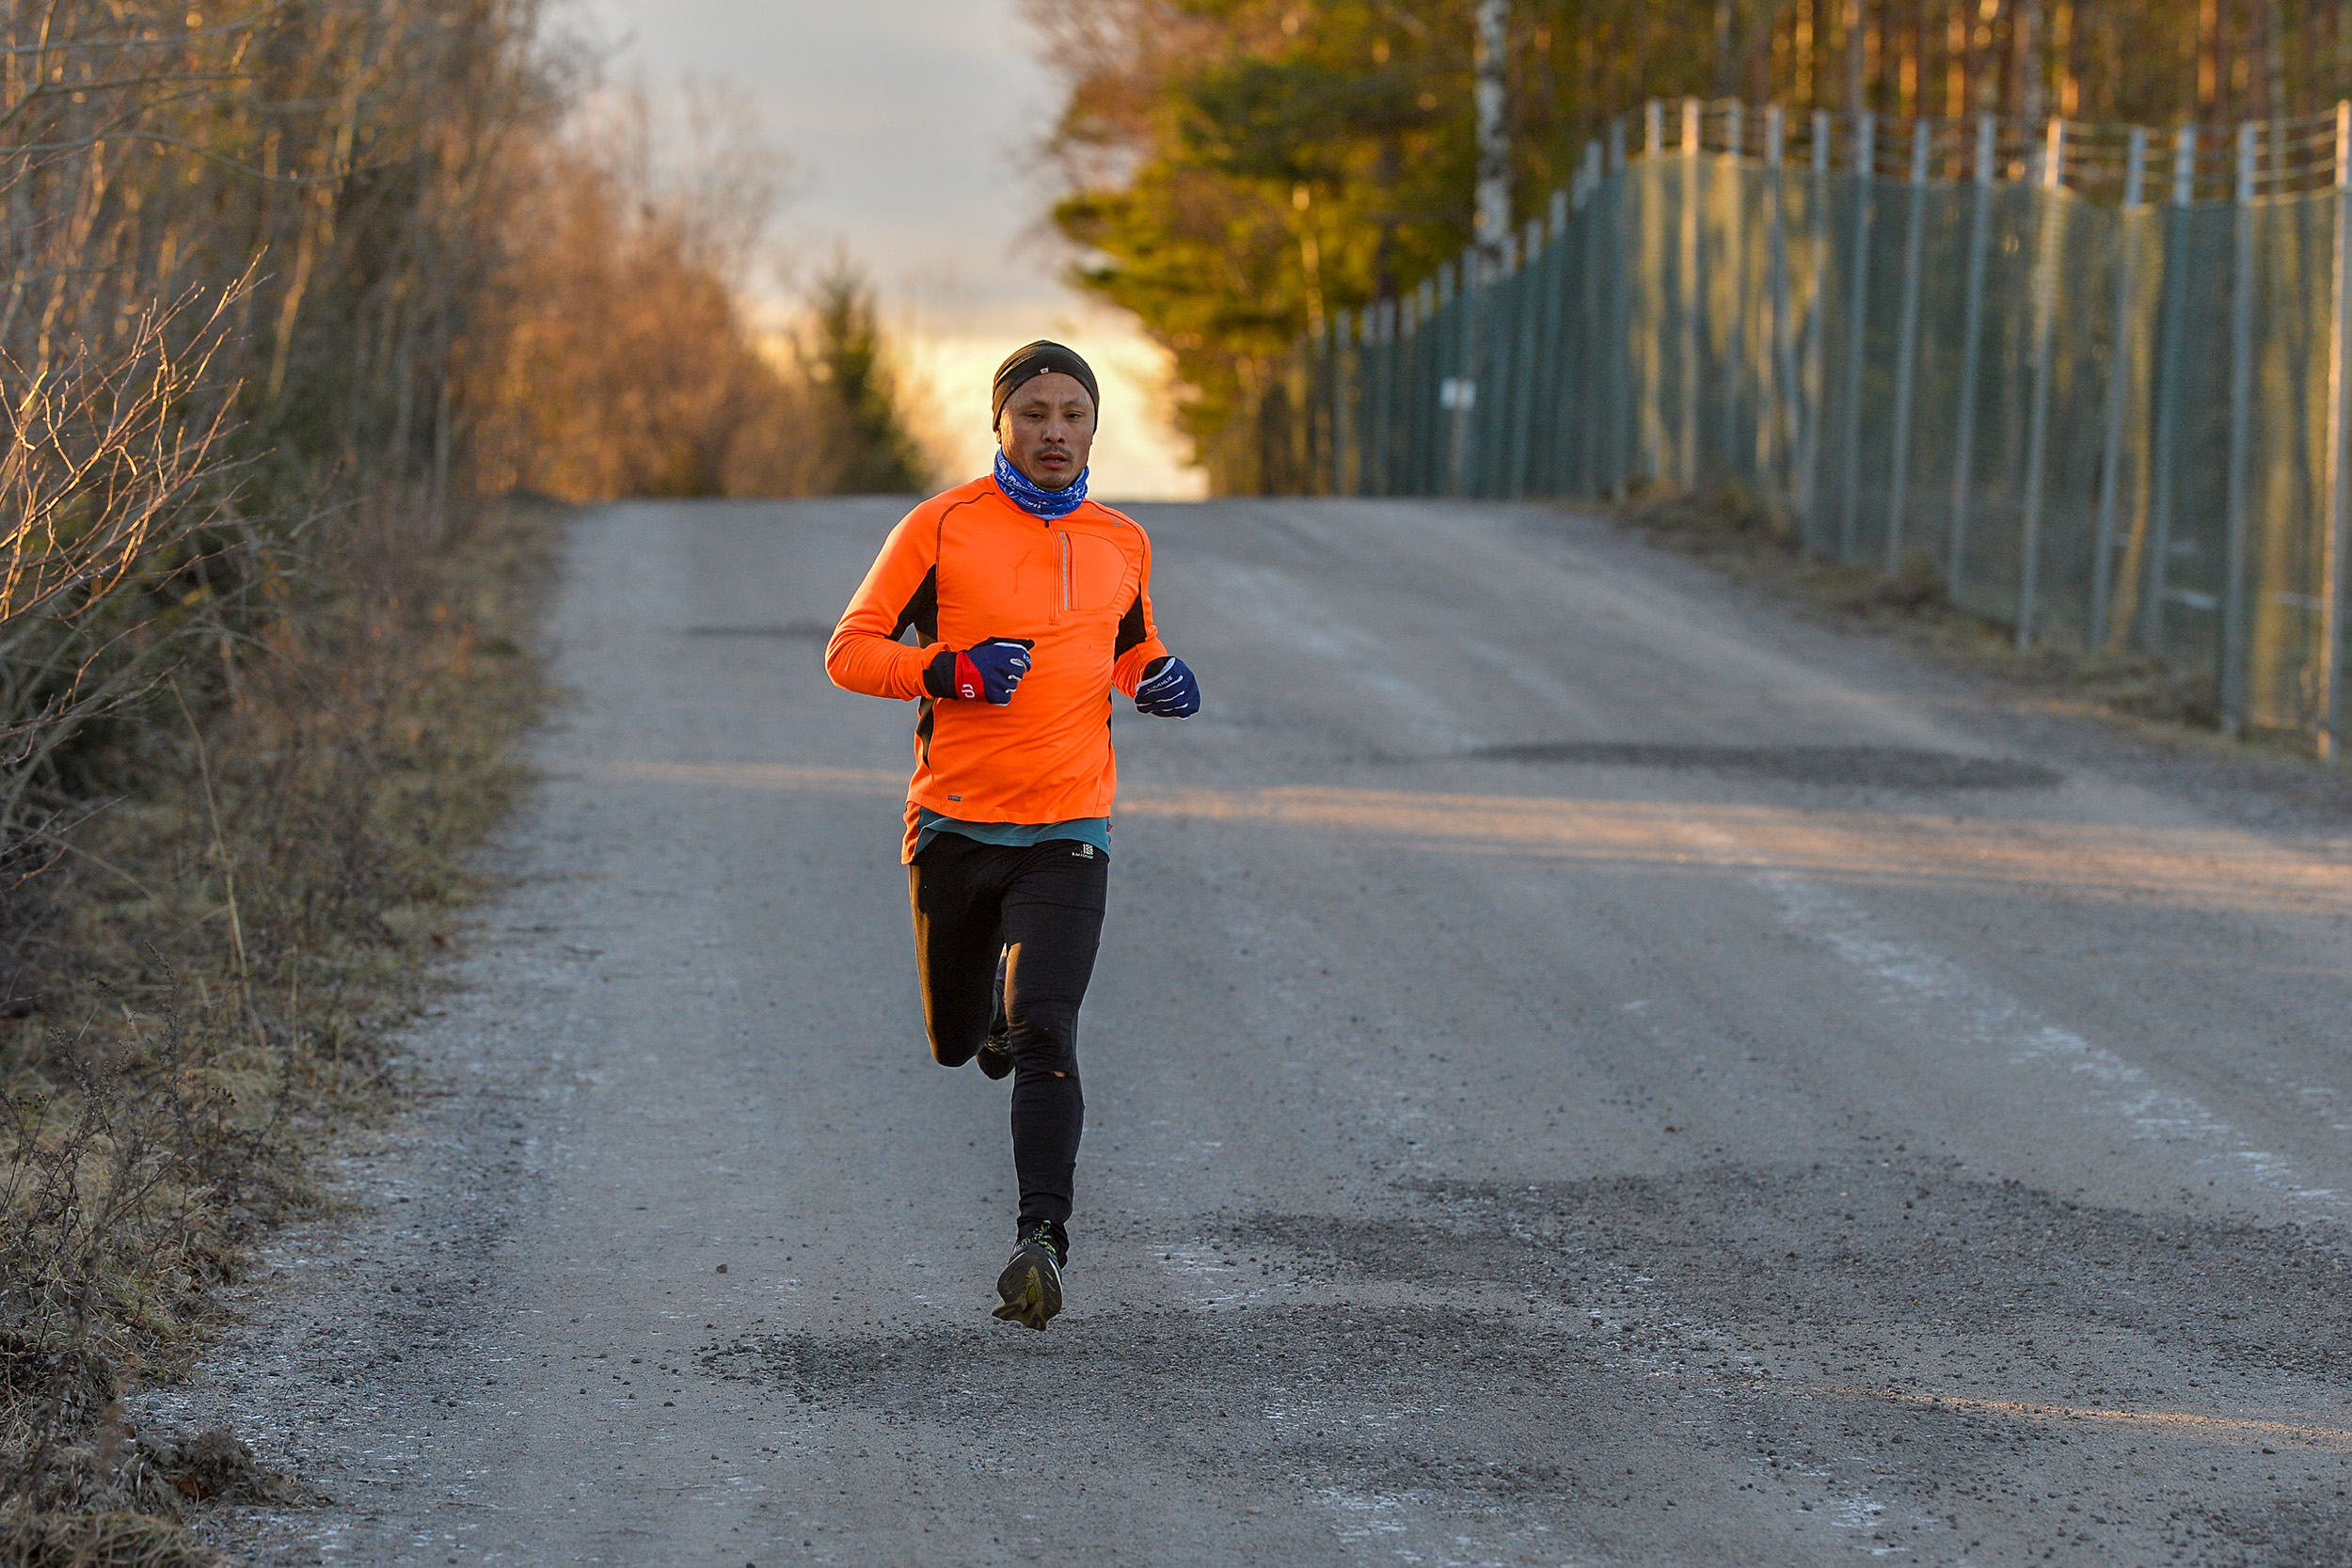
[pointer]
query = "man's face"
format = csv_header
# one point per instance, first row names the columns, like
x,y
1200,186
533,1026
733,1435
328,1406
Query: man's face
x,y
1047,429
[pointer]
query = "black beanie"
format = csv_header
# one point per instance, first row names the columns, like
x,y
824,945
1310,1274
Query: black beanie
x,y
1036,359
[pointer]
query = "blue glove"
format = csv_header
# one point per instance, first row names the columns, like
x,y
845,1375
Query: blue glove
x,y
1168,691
991,670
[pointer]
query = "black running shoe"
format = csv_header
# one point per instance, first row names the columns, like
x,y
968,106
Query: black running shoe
x,y
1029,1290
995,1060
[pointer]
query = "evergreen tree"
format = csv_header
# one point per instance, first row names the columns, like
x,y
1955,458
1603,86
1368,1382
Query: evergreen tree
x,y
875,452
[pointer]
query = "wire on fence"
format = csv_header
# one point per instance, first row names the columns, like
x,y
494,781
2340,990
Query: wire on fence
x,y
2088,378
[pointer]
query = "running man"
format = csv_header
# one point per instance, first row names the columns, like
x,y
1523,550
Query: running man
x,y
1029,605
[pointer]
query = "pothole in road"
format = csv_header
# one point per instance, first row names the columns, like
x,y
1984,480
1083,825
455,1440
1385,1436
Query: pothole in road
x,y
1874,1246
1439,1411
1840,767
1252,1355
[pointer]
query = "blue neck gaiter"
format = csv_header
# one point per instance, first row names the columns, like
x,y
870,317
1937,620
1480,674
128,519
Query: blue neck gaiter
x,y
1036,500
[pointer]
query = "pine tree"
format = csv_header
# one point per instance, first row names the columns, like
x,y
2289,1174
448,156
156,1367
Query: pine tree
x,y
875,453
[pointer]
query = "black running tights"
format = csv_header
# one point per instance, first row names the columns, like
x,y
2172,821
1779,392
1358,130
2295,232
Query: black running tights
x,y
1040,909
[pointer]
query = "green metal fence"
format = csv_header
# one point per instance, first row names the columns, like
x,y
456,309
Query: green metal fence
x,y
2090,378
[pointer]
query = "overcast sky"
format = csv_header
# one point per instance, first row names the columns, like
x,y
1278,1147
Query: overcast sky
x,y
909,124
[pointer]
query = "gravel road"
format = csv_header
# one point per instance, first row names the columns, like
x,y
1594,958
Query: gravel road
x,y
1584,1070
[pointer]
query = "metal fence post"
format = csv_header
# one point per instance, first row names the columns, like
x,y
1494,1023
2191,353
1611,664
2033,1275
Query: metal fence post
x,y
1442,330
1416,390
1647,370
1393,329
2127,219
1810,396
1429,365
1593,318
1778,412
1343,363
1591,381
1617,332
1323,476
1736,258
1301,410
1503,310
1644,362
1378,439
1404,405
2241,435
1474,301
2168,351
1446,377
1493,372
1347,442
2331,697
1971,352
1405,396
1857,332
1313,412
1321,472
1380,451
1542,342
1693,294
1526,299
1907,342
2049,248
1546,473
1479,371
1357,407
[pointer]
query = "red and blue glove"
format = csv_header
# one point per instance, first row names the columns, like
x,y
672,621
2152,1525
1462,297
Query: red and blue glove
x,y
1168,690
990,671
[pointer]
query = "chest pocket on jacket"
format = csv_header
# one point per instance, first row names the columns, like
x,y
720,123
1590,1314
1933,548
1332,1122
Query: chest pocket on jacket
x,y
1094,574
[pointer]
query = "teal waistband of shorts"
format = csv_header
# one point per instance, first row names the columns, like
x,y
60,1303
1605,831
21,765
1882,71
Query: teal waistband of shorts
x,y
929,824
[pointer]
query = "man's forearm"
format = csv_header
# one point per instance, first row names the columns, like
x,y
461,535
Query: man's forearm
x,y
1127,673
875,665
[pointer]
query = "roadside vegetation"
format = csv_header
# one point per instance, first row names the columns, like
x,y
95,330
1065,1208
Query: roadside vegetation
x,y
1237,172
315,318
1733,536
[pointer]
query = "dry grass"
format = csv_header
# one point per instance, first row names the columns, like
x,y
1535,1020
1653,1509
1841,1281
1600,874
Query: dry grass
x,y
201,991
112,1540
1732,535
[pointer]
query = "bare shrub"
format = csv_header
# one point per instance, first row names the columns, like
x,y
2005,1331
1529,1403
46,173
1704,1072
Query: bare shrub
x,y
626,363
105,485
239,251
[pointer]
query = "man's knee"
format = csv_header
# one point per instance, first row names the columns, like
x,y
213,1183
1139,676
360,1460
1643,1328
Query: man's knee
x,y
954,1052
1045,1038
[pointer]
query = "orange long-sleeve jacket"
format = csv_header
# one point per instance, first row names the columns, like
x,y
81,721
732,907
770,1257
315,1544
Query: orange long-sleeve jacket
x,y
968,565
